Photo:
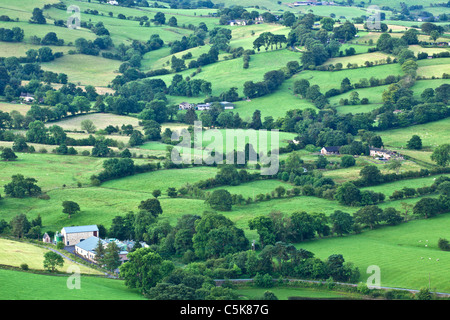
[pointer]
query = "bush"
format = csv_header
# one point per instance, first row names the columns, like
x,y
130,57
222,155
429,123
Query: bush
x,y
443,244
24,266
263,281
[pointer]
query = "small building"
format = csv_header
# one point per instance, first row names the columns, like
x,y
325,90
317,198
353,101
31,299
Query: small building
x,y
330,150
27,97
86,248
203,106
46,238
113,2
227,105
237,22
384,154
185,106
74,235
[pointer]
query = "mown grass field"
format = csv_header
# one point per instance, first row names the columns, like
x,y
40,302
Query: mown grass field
x,y
18,285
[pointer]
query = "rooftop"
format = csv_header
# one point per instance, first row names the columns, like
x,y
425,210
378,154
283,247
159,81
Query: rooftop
x,y
90,243
77,229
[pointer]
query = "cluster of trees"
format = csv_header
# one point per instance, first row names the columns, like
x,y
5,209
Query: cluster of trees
x,y
121,167
188,87
20,227
272,80
240,13
268,39
15,34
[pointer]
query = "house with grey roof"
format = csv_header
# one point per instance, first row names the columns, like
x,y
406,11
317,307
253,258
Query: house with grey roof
x,y
86,248
74,235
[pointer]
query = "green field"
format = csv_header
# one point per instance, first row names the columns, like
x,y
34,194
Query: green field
x,y
100,120
85,70
399,251
432,134
18,285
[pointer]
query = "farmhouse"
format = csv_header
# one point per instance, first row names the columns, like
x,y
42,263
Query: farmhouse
x,y
237,22
86,248
330,150
46,238
227,105
27,97
387,154
203,106
74,235
185,106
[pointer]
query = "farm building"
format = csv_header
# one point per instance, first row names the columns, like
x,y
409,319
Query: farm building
x,y
330,150
203,106
86,248
74,235
227,105
387,154
46,238
27,97
185,106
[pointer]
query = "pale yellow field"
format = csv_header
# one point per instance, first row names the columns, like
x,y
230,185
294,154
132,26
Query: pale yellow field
x,y
8,107
14,253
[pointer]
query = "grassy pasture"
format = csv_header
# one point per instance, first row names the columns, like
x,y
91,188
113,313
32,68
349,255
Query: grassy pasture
x,y
398,251
40,30
51,171
252,189
374,94
357,108
20,107
18,285
328,80
161,179
432,134
433,67
284,293
389,188
84,69
226,74
19,49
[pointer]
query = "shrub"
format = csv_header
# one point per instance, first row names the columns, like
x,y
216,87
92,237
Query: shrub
x,y
24,266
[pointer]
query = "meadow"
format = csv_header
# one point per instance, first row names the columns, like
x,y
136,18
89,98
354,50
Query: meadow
x,y
85,70
18,285
100,120
407,254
